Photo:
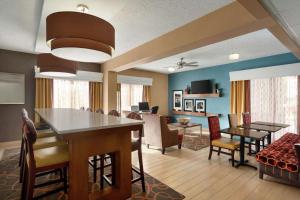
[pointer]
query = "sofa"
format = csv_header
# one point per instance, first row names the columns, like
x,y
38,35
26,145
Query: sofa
x,y
157,132
281,159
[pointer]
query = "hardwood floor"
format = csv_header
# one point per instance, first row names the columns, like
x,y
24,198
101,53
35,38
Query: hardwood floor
x,y
192,174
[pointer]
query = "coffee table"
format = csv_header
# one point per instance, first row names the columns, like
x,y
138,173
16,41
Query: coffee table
x,y
186,126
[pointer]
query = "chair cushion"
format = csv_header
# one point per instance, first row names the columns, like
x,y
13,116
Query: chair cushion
x,y
45,133
47,142
226,143
51,156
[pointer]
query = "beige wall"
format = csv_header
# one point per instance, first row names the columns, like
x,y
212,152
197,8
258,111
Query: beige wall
x,y
159,89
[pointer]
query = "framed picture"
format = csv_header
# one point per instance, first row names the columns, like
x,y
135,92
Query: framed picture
x,y
200,105
189,105
177,99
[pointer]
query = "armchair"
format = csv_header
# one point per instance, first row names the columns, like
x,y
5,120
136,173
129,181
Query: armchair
x,y
157,132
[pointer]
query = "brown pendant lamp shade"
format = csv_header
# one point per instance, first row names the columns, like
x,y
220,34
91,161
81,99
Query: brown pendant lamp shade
x,y
53,66
80,37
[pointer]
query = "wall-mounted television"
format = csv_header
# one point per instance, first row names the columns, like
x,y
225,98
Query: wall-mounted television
x,y
201,87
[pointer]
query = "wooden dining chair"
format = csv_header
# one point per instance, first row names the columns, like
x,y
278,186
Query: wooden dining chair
x,y
233,123
247,121
41,161
99,110
82,108
216,140
44,140
246,118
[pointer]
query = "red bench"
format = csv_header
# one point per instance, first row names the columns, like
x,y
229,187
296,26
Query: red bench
x,y
281,159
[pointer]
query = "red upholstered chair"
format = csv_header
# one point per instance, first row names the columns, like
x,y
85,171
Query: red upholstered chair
x,y
216,140
246,118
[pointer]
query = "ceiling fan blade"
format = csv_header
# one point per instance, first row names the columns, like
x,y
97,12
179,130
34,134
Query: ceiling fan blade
x,y
191,63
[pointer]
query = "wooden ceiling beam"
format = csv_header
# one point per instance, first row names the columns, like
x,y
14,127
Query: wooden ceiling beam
x,y
227,22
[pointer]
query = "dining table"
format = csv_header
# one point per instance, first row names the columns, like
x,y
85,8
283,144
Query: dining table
x,y
243,133
263,127
89,134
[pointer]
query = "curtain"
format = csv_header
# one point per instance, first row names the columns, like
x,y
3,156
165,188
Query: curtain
x,y
95,90
131,95
239,98
70,94
275,100
147,94
43,93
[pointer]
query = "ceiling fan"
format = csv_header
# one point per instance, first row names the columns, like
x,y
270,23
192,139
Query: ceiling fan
x,y
181,64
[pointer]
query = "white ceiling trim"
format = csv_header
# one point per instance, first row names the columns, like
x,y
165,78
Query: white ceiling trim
x,y
266,72
134,80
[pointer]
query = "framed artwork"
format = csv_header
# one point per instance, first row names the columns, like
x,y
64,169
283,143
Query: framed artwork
x,y
189,105
177,99
200,105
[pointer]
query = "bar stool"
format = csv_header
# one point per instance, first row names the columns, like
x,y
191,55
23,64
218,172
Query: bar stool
x,y
136,145
41,161
41,142
100,111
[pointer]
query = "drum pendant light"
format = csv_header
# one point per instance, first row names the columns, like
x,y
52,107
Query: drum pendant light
x,y
79,36
50,65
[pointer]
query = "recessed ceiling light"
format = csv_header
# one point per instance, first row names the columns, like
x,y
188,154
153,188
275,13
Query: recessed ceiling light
x,y
234,56
171,69
82,8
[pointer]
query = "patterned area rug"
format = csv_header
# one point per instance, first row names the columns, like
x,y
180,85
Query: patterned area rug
x,y
195,141
10,187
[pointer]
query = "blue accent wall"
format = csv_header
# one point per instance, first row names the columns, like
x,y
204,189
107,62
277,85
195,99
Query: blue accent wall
x,y
220,75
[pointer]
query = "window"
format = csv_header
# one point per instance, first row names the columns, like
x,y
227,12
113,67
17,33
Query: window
x,y
131,95
70,94
275,100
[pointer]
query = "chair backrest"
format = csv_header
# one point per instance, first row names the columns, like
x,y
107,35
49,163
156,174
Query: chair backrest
x,y
136,133
24,115
30,136
246,118
100,111
154,109
152,129
233,120
214,128
89,109
114,113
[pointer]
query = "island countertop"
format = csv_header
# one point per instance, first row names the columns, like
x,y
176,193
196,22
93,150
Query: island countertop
x,y
67,120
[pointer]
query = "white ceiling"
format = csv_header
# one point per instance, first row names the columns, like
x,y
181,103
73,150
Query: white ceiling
x,y
287,12
22,22
252,45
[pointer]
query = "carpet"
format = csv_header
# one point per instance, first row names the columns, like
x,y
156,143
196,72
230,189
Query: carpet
x,y
10,187
195,141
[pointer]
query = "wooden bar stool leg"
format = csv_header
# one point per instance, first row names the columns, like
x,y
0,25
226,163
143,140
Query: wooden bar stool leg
x,y
30,185
23,165
65,180
21,153
232,158
141,169
24,183
102,171
95,168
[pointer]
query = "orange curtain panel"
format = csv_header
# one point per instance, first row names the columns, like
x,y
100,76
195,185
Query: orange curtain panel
x,y
43,93
239,98
96,95
147,94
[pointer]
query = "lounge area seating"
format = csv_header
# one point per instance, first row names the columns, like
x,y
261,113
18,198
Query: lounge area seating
x,y
281,159
157,132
